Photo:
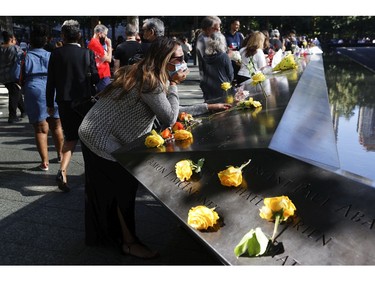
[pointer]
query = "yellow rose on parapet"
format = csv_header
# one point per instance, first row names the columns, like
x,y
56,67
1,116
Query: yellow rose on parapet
x,y
202,217
154,140
184,169
232,176
287,62
256,103
250,103
274,206
226,86
182,135
257,78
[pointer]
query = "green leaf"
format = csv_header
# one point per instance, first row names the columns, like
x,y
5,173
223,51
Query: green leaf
x,y
254,243
241,247
262,240
199,165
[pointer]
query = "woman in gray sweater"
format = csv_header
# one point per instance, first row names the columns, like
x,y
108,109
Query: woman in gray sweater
x,y
125,111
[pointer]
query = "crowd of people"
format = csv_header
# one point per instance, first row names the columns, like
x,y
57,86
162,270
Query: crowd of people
x,y
140,93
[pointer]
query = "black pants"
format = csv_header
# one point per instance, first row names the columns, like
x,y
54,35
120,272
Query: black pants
x,y
15,100
108,186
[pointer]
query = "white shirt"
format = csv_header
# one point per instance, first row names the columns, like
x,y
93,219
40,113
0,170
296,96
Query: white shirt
x,y
259,60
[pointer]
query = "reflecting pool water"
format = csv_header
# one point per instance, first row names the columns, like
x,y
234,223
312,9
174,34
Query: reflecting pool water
x,y
352,102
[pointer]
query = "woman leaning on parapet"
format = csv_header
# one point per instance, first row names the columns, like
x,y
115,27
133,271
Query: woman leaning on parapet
x,y
125,111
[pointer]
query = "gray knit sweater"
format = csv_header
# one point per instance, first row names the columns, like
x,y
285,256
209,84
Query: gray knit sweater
x,y
113,123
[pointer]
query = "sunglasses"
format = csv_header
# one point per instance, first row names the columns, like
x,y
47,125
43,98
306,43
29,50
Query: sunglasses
x,y
180,59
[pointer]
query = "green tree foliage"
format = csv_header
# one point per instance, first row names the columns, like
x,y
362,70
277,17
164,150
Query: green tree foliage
x,y
324,27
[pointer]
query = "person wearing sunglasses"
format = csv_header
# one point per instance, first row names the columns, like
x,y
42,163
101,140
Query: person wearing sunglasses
x,y
126,110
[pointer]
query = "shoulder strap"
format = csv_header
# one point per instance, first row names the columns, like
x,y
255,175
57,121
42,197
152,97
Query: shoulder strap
x,y
89,74
88,62
23,71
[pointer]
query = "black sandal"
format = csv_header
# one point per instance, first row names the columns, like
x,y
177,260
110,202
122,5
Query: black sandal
x,y
63,186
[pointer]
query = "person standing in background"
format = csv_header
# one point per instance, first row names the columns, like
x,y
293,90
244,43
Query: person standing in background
x,y
252,57
291,42
234,39
101,45
10,56
233,36
209,25
152,29
67,76
217,69
34,80
127,49
187,48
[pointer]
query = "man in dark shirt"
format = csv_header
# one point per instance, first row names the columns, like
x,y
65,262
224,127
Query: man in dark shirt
x,y
127,49
234,40
233,36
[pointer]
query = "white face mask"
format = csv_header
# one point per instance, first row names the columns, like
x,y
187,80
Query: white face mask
x,y
179,66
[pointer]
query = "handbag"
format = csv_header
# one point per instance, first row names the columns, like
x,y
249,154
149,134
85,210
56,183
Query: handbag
x,y
83,105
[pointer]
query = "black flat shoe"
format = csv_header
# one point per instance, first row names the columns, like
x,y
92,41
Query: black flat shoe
x,y
139,250
63,186
14,120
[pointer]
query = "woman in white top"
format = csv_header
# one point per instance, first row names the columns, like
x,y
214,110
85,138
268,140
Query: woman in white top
x,y
252,57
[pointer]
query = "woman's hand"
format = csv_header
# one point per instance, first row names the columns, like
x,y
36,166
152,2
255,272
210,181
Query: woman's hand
x,y
180,76
218,106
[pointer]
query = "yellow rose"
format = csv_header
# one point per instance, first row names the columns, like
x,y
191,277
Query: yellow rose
x,y
229,99
226,86
257,78
184,169
273,206
182,135
154,140
201,217
256,104
287,62
232,176
246,103
249,103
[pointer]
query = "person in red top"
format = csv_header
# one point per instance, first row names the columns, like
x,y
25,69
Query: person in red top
x,y
101,45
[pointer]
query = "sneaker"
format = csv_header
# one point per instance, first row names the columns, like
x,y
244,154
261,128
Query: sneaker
x,y
14,120
43,167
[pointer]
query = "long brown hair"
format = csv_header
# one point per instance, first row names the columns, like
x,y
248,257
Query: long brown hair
x,y
255,42
147,74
